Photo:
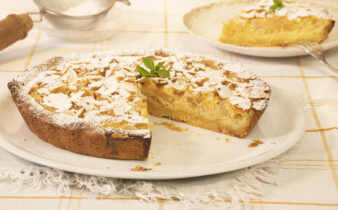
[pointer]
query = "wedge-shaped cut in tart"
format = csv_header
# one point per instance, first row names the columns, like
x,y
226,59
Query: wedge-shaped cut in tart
x,y
293,23
93,104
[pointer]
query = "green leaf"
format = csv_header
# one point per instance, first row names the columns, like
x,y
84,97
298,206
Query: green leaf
x,y
163,72
277,4
143,72
148,63
158,66
152,71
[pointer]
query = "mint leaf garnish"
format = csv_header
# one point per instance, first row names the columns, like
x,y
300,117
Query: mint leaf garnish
x,y
152,71
277,4
158,66
149,63
143,72
162,72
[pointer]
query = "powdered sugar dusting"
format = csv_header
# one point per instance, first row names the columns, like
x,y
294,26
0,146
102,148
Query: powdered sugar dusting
x,y
84,8
291,10
245,103
58,101
87,89
101,88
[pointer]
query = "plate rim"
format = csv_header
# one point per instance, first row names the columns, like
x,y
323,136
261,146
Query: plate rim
x,y
284,51
160,175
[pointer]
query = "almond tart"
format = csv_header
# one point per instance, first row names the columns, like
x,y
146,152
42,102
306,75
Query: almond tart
x,y
93,104
292,23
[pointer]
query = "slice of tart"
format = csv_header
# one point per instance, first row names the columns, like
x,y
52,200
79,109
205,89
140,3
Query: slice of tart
x,y
291,23
93,104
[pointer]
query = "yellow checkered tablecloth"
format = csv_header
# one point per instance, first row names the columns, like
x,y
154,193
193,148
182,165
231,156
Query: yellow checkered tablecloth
x,y
309,180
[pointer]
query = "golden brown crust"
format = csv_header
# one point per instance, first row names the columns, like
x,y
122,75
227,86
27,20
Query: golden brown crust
x,y
329,28
80,138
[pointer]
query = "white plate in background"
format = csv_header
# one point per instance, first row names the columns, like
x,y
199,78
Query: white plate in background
x,y
206,23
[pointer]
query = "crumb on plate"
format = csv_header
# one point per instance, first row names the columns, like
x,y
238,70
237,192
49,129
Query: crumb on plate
x,y
255,143
140,168
171,126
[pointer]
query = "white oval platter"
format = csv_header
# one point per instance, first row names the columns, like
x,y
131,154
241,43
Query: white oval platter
x,y
192,153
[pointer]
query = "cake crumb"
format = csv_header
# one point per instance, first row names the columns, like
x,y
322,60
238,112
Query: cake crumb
x,y
227,140
25,139
255,143
217,138
171,126
140,168
158,164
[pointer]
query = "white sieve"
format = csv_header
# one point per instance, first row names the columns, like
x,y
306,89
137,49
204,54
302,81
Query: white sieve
x,y
72,15
75,14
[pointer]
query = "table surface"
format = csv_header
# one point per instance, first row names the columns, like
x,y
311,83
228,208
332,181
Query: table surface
x,y
308,181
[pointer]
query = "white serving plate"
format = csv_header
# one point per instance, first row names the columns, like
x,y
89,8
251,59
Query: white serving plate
x,y
206,23
192,153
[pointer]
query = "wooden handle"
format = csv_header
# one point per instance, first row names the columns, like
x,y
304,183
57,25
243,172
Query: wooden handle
x,y
13,28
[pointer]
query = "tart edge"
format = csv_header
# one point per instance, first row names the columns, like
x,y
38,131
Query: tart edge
x,y
80,137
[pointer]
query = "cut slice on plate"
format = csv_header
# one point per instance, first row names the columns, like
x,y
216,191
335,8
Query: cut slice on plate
x,y
292,23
